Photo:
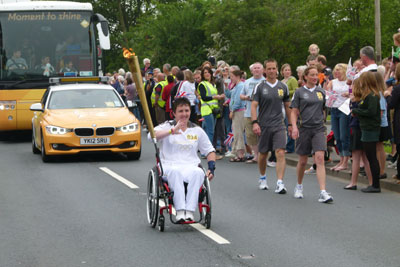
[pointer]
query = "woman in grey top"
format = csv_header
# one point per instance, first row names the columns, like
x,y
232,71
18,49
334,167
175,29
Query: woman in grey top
x,y
308,105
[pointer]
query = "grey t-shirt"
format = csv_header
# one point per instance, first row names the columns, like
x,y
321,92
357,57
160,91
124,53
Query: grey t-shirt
x,y
270,101
311,106
248,90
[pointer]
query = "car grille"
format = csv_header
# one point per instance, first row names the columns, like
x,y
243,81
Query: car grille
x,y
105,131
84,131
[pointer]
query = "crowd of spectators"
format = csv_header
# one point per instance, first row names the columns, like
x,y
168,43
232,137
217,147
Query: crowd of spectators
x,y
361,101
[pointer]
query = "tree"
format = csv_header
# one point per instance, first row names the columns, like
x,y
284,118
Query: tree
x,y
173,34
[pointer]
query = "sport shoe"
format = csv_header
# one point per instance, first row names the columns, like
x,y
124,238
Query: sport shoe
x,y
280,189
298,192
263,184
325,197
311,170
271,164
229,154
180,215
189,215
392,165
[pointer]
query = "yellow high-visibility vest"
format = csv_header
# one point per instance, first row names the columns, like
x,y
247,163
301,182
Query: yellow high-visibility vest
x,y
161,102
207,106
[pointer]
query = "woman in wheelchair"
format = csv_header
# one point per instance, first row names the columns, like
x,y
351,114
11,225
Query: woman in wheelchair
x,y
179,141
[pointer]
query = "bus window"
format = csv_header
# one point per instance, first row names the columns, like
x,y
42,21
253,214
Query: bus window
x,y
39,44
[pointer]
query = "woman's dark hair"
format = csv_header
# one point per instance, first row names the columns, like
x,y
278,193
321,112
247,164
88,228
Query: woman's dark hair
x,y
129,80
209,71
180,101
170,79
180,75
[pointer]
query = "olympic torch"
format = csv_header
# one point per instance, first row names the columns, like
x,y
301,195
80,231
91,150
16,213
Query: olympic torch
x,y
133,64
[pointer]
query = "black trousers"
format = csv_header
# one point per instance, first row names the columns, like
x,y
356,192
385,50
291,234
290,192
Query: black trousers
x,y
370,151
398,160
219,134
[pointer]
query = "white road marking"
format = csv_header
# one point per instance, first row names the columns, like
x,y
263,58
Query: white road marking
x,y
207,232
211,234
199,227
119,178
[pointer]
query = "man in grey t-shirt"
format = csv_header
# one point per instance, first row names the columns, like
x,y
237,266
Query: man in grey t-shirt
x,y
269,96
257,70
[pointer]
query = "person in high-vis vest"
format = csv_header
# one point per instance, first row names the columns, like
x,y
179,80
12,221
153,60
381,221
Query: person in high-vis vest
x,y
209,101
156,100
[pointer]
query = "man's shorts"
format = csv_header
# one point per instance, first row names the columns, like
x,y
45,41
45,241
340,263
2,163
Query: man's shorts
x,y
251,137
311,139
271,139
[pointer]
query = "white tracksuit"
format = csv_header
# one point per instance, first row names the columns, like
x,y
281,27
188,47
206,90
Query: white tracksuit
x,y
180,162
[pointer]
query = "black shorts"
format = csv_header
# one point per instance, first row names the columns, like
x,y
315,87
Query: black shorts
x,y
311,140
355,139
271,139
384,134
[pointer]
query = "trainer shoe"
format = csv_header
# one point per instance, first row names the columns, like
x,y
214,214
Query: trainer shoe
x,y
189,215
311,170
263,184
298,192
325,197
229,154
280,188
271,164
180,215
392,165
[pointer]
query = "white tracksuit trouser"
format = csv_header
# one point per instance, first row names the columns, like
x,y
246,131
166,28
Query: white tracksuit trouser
x,y
176,175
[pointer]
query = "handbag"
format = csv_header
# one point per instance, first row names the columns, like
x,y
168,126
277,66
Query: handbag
x,y
215,111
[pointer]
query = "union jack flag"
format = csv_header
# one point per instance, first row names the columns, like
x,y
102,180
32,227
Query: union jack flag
x,y
229,139
180,94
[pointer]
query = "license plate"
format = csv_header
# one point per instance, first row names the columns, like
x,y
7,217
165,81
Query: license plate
x,y
95,141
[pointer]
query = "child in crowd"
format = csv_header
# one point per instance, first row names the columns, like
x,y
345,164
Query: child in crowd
x,y
313,49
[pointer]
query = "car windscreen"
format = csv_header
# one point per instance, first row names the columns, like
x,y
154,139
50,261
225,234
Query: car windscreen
x,y
84,98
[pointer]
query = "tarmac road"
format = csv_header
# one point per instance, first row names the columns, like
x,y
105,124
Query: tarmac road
x,y
71,213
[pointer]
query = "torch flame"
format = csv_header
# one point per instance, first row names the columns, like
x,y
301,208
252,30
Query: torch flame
x,y
128,52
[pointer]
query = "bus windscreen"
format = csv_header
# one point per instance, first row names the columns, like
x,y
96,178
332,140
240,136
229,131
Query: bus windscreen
x,y
43,44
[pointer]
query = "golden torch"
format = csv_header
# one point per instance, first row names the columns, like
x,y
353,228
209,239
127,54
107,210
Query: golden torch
x,y
133,64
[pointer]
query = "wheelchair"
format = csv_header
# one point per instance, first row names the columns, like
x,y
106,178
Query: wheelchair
x,y
160,199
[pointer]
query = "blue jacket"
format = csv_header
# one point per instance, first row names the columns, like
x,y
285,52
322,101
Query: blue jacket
x,y
236,103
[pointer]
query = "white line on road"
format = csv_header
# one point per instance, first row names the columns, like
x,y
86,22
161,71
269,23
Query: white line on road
x,y
119,178
199,227
207,232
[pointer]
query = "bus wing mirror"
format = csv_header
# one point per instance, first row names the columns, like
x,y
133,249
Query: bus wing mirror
x,y
36,107
102,30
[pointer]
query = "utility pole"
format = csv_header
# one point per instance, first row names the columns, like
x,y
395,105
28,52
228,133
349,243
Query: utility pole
x,y
378,48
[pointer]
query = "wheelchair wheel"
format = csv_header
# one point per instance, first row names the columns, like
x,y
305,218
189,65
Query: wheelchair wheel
x,y
153,194
207,200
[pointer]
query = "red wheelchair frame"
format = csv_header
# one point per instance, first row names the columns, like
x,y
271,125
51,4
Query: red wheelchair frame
x,y
157,188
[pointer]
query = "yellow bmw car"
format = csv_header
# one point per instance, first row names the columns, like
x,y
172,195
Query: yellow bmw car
x,y
73,118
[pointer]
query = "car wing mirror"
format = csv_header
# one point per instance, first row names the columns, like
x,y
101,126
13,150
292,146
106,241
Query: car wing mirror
x,y
37,107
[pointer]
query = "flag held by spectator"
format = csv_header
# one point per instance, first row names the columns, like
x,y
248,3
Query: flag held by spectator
x,y
229,139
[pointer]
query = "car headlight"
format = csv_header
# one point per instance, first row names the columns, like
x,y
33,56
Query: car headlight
x,y
133,127
57,130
